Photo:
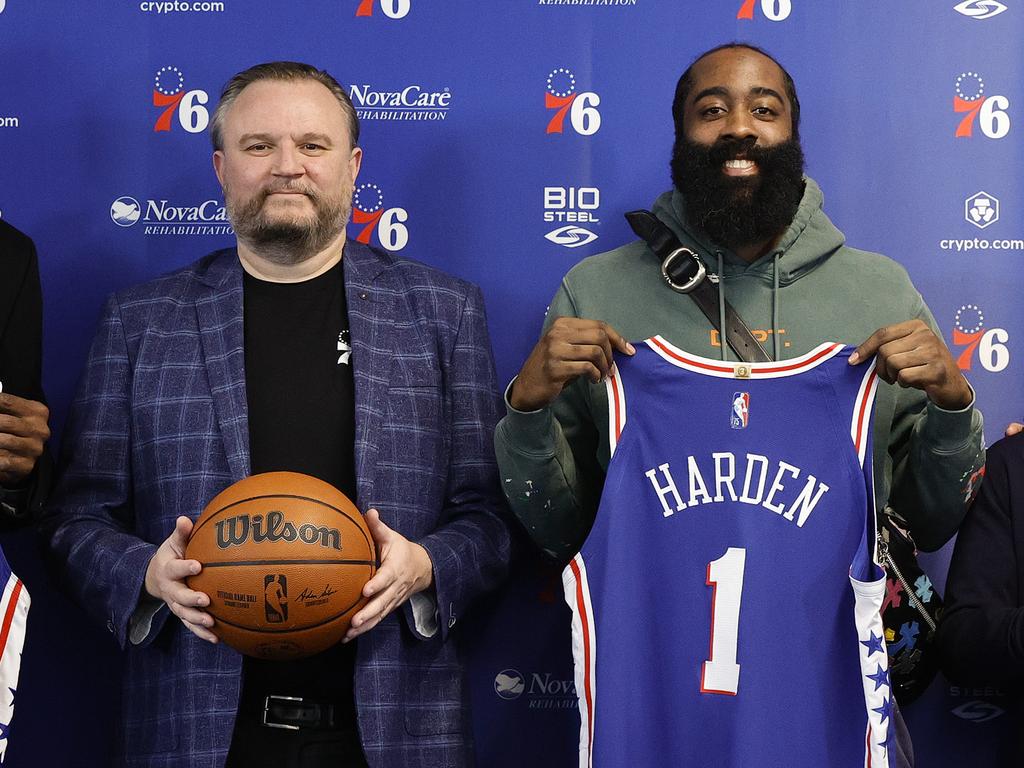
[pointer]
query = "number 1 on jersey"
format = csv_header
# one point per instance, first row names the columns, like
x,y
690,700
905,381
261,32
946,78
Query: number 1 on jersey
x,y
721,673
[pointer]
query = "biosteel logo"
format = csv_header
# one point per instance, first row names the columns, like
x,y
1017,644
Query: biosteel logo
x,y
169,95
393,9
989,112
581,107
389,223
570,207
980,9
773,10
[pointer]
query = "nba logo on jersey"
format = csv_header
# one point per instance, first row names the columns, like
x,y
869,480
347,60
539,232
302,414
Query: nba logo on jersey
x,y
740,410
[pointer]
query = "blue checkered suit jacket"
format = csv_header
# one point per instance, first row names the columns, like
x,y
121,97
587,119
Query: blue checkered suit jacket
x,y
159,427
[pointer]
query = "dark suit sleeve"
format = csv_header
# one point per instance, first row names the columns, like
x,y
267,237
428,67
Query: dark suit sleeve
x,y
89,522
470,551
981,636
21,360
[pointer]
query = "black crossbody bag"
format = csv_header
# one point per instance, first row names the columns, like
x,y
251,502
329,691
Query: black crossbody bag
x,y
912,606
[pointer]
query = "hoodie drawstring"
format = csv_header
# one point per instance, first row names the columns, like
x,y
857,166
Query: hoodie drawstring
x,y
721,307
775,304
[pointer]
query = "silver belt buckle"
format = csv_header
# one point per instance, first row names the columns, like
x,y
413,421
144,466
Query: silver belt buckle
x,y
266,711
694,281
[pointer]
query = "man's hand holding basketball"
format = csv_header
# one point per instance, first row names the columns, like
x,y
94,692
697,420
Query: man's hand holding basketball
x,y
911,355
165,580
405,569
570,348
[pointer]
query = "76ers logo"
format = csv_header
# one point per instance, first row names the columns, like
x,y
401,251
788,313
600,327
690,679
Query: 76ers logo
x,y
562,97
969,332
989,112
773,10
393,9
740,416
368,210
169,93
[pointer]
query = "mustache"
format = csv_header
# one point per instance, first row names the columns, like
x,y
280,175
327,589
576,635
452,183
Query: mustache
x,y
734,149
288,186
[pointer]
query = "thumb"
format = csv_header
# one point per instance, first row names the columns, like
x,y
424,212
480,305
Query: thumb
x,y
179,537
380,532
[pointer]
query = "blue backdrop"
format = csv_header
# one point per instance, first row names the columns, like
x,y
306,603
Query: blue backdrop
x,y
503,141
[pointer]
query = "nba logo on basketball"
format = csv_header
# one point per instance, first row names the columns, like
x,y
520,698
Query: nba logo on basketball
x,y
740,410
275,598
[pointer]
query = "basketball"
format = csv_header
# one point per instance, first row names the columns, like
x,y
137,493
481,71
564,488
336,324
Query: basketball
x,y
285,557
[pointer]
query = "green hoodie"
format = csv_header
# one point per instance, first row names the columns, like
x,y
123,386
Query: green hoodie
x,y
811,288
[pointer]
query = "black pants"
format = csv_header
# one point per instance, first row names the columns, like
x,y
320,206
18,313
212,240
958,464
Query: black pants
x,y
254,745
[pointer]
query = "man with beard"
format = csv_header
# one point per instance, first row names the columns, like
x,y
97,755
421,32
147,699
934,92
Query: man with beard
x,y
743,205
298,350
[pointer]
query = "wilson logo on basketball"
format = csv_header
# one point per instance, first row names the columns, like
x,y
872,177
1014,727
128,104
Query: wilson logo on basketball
x,y
238,530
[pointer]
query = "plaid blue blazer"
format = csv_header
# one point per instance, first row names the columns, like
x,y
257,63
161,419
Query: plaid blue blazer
x,y
159,427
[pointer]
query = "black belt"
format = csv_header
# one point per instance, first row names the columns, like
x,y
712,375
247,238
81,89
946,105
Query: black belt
x,y
294,712
684,271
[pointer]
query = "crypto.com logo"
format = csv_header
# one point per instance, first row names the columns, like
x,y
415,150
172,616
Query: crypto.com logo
x,y
981,209
393,9
368,210
773,10
969,332
989,112
980,9
562,97
169,94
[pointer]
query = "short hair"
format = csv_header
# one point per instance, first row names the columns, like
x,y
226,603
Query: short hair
x,y
685,85
279,70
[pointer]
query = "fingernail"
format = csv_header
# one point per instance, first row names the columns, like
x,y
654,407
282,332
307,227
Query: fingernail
x,y
854,358
631,348
194,568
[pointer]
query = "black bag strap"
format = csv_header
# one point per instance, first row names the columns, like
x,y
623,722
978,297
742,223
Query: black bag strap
x,y
685,272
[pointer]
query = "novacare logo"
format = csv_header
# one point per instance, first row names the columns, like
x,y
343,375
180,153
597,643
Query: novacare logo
x,y
161,210
161,217
413,102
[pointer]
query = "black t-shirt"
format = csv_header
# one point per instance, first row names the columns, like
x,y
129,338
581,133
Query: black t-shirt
x,y
301,396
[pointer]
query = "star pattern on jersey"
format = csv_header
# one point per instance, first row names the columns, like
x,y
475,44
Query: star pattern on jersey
x,y
880,678
6,727
873,644
890,735
885,710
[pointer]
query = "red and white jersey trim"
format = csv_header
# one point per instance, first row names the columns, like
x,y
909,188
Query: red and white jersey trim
x,y
584,652
861,423
616,408
727,370
14,605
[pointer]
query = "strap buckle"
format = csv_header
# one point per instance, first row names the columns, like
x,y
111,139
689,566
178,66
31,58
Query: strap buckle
x,y
674,268
266,711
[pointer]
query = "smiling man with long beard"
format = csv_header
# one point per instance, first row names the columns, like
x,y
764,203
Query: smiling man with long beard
x,y
742,205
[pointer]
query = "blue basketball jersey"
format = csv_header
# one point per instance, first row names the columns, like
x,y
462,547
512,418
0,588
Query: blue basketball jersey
x,y
726,603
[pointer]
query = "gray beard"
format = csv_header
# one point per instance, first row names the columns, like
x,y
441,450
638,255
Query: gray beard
x,y
287,242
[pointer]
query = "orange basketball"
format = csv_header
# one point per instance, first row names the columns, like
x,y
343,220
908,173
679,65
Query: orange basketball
x,y
285,557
